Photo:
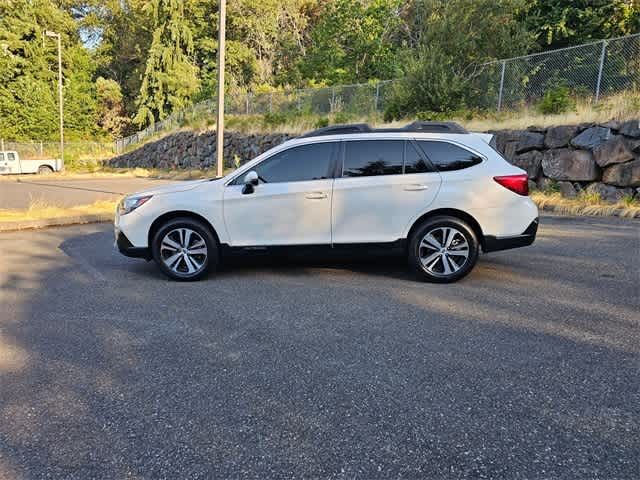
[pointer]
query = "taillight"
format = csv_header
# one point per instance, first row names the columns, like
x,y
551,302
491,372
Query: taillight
x,y
516,183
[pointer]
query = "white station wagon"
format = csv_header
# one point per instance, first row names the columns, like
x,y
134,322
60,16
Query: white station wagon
x,y
433,191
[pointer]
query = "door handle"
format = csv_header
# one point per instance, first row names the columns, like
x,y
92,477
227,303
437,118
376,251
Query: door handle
x,y
415,187
316,195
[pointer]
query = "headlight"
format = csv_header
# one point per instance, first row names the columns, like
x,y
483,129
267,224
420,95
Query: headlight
x,y
129,204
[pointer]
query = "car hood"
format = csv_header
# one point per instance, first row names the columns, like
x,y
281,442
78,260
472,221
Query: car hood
x,y
174,187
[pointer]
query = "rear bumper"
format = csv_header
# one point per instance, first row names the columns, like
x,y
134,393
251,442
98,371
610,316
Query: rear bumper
x,y
126,248
494,244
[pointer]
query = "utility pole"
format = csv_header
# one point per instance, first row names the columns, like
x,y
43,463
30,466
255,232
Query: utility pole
x,y
220,120
55,35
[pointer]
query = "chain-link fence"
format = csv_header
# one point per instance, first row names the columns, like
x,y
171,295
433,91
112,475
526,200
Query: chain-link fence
x,y
75,153
591,71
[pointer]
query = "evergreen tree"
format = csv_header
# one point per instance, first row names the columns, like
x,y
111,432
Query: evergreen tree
x,y
170,78
29,73
123,34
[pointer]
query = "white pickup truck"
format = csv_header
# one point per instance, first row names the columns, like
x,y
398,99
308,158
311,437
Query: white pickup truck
x,y
11,163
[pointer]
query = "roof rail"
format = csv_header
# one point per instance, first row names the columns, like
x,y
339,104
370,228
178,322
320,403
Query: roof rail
x,y
435,127
418,126
338,129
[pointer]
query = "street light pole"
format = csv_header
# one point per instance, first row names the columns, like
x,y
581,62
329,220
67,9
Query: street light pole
x,y
51,34
220,120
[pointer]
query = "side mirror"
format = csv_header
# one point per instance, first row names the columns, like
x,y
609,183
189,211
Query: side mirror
x,y
251,178
251,181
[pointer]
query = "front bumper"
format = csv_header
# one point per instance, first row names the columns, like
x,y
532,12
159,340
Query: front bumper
x,y
126,248
494,244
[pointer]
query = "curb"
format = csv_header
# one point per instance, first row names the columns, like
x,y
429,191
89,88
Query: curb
x,y
54,222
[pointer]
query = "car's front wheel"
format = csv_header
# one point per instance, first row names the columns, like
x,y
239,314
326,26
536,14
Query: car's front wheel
x,y
185,249
443,249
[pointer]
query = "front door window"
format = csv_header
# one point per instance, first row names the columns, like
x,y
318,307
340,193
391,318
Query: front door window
x,y
291,205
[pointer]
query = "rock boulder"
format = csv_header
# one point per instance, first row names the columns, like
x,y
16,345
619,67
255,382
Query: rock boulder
x,y
558,137
591,138
615,150
513,142
623,174
527,141
631,128
567,189
608,193
573,165
531,162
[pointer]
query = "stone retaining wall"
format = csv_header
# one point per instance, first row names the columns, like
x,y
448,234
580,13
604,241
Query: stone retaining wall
x,y
602,159
190,149
599,158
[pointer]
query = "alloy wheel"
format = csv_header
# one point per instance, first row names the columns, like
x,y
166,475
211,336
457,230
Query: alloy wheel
x,y
443,251
183,251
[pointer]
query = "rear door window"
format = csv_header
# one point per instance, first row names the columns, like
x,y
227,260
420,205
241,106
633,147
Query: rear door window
x,y
415,161
366,158
11,156
446,156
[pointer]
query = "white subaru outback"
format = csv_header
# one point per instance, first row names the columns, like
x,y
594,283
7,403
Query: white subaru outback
x,y
431,190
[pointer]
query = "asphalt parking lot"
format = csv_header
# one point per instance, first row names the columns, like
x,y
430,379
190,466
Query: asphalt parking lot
x,y
528,368
67,193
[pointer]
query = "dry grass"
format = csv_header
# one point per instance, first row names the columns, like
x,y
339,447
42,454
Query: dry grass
x,y
619,107
40,210
623,106
590,206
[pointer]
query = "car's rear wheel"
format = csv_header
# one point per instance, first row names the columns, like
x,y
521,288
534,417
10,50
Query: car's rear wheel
x,y
44,170
443,249
185,249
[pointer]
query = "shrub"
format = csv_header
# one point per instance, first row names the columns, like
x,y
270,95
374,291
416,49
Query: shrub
x,y
557,100
431,84
321,122
429,116
242,122
551,187
274,119
628,201
591,198
342,117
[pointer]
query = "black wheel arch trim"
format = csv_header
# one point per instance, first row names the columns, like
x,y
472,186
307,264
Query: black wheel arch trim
x,y
165,217
451,212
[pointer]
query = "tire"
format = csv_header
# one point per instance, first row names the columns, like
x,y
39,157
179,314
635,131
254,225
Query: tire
x,y
185,263
45,170
435,261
